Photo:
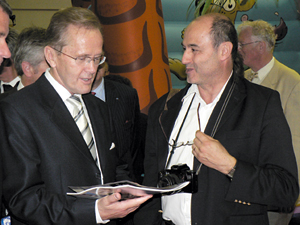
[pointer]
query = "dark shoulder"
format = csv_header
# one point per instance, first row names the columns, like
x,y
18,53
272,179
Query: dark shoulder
x,y
256,91
173,97
118,86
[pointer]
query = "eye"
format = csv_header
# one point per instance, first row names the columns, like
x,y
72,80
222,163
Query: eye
x,y
81,58
229,5
97,58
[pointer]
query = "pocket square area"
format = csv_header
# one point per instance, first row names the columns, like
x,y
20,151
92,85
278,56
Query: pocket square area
x,y
112,146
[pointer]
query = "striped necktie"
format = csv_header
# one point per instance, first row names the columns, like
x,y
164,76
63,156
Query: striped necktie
x,y
83,126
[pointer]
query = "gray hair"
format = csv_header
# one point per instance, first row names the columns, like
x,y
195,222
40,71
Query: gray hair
x,y
11,40
30,48
56,33
262,30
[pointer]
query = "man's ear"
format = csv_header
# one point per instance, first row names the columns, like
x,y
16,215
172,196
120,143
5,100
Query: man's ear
x,y
262,46
51,56
225,49
27,69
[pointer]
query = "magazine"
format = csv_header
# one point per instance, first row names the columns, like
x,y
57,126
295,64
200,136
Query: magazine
x,y
128,189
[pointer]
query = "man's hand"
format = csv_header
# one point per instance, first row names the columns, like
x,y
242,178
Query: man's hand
x,y
212,153
111,208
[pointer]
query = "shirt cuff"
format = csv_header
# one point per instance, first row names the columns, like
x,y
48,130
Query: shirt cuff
x,y
98,217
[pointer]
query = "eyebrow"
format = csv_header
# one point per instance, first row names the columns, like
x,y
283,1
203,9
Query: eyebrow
x,y
190,45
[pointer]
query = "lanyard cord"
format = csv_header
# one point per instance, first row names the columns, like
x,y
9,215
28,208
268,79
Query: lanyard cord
x,y
214,130
221,113
175,141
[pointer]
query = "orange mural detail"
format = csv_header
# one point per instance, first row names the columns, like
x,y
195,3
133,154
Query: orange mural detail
x,y
135,45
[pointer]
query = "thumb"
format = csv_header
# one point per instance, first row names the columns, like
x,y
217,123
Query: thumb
x,y
115,197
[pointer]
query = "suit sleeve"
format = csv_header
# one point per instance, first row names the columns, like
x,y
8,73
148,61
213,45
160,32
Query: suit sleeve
x,y
292,109
25,192
273,179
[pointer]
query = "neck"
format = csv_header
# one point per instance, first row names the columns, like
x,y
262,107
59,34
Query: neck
x,y
262,62
25,81
210,91
96,83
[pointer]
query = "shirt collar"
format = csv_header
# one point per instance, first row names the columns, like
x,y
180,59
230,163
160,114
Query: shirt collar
x,y
13,82
20,85
194,89
61,90
263,72
100,92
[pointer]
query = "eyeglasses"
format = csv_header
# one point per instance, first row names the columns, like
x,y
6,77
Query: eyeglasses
x,y
84,60
176,144
240,45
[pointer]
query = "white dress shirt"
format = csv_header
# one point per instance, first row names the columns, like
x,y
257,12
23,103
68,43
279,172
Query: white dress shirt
x,y
177,207
100,91
263,72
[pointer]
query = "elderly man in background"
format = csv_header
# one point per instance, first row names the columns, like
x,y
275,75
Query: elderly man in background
x,y
29,58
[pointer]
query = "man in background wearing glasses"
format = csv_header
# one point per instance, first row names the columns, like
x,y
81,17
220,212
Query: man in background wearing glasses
x,y
54,135
230,132
256,45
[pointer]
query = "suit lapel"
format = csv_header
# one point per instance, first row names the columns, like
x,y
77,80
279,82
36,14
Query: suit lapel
x,y
272,78
110,94
168,118
100,124
60,116
235,99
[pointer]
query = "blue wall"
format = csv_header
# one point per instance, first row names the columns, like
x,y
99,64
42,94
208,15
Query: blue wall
x,y
287,51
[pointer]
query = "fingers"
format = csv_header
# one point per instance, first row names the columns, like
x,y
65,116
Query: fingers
x,y
110,207
115,197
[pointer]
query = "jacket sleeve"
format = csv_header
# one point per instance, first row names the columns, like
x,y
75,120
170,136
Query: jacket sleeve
x,y
25,192
270,179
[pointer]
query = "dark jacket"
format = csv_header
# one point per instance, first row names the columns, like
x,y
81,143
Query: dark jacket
x,y
44,153
254,130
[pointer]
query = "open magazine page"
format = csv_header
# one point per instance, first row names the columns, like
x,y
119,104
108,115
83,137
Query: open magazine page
x,y
128,189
